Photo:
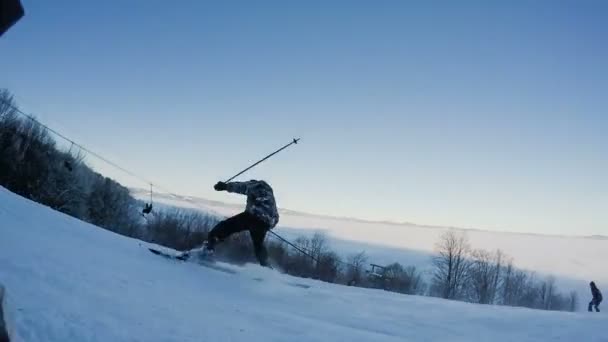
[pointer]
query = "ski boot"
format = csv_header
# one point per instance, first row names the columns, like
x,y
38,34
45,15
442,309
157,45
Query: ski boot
x,y
205,252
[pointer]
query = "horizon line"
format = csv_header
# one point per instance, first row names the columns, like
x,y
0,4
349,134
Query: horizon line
x,y
368,221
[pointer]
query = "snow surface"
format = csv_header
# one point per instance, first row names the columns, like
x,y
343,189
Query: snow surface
x,y
573,260
70,281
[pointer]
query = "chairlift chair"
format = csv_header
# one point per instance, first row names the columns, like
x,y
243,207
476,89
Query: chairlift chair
x,y
67,162
148,206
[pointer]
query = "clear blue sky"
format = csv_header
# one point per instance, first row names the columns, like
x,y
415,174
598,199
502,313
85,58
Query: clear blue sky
x,y
481,115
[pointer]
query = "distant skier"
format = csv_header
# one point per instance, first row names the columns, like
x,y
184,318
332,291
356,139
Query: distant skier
x,y
260,215
597,297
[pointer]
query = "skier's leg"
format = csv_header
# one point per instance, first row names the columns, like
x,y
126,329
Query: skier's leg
x,y
597,306
590,305
220,232
258,233
229,226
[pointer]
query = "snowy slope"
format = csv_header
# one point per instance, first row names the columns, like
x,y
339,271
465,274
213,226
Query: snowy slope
x,y
71,281
574,259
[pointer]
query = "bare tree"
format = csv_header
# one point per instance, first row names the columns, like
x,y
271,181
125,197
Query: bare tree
x,y
506,290
484,274
7,105
451,265
300,264
573,301
547,293
110,205
356,268
318,245
526,291
320,259
499,257
404,280
328,267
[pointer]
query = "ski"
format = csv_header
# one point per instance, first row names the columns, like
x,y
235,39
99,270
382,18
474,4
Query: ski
x,y
207,263
165,254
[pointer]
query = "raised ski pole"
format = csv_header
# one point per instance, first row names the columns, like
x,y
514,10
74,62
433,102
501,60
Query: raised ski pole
x,y
295,141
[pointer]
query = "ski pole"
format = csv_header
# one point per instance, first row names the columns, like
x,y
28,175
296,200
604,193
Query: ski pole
x,y
295,141
294,246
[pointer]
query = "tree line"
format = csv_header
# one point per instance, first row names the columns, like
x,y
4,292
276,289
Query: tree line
x,y
489,277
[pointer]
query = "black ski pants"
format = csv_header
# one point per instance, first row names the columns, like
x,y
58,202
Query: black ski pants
x,y
238,223
596,303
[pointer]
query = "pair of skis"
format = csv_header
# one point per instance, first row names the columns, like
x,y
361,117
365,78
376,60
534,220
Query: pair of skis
x,y
211,264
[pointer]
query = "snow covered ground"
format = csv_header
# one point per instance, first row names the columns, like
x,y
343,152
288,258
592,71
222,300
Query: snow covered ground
x,y
573,260
70,281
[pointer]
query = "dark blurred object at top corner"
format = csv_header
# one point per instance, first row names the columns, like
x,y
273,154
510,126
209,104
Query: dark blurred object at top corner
x,y
10,12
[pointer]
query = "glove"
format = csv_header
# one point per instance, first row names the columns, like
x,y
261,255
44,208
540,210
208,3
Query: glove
x,y
220,186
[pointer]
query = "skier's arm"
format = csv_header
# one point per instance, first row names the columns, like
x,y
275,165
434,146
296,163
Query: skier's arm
x,y
240,187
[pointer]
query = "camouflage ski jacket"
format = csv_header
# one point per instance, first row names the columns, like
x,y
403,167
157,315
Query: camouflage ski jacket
x,y
260,200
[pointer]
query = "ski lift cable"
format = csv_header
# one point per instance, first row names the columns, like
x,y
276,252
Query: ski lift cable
x,y
73,143
89,151
299,249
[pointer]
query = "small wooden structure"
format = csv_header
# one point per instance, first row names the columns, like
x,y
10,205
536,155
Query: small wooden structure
x,y
376,271
378,276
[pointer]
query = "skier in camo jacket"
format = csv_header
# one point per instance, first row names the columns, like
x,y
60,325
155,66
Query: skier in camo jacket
x,y
260,215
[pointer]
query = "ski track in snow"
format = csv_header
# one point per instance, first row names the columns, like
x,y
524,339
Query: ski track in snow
x,y
70,281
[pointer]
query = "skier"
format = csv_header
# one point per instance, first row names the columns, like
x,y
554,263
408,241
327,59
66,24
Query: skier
x,y
597,297
260,215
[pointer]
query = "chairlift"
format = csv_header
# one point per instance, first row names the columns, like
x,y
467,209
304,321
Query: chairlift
x,y
378,275
377,271
148,206
68,165
67,162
